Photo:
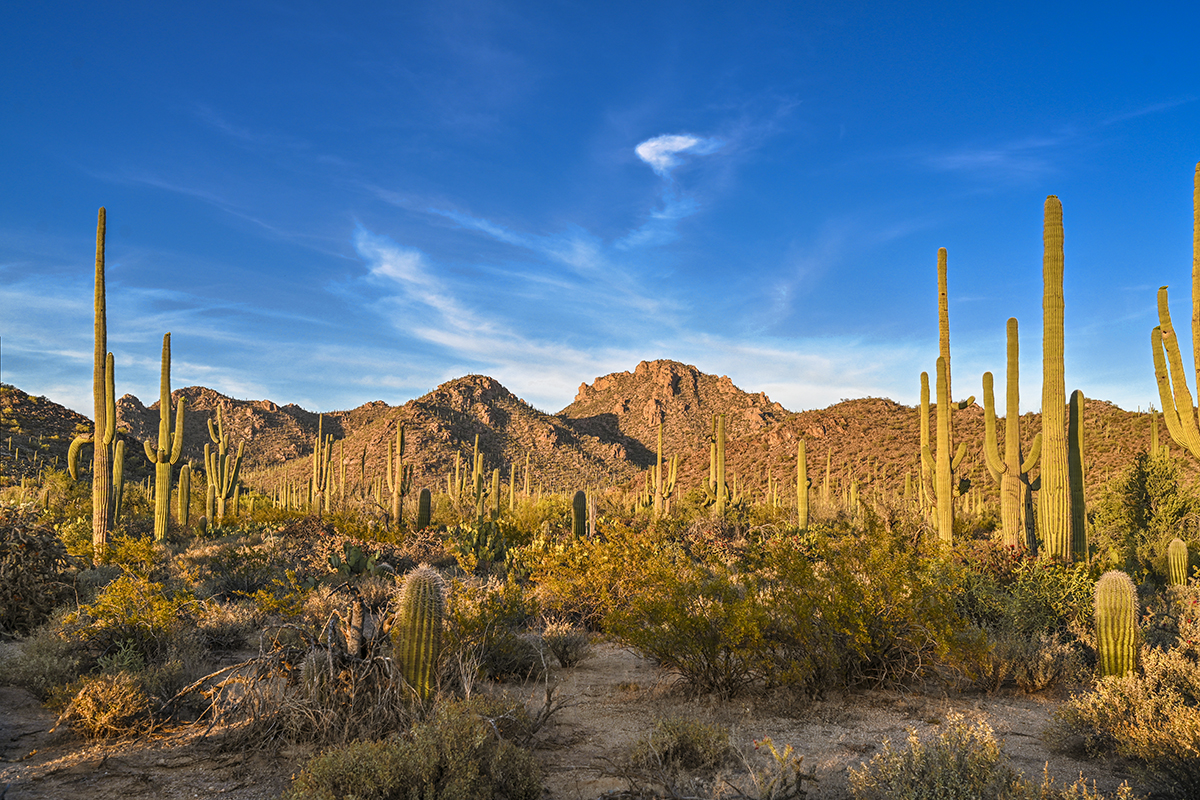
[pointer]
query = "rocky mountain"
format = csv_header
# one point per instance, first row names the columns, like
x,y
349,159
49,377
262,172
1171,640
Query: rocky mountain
x,y
606,436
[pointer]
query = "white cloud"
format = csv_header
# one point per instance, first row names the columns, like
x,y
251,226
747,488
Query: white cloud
x,y
662,152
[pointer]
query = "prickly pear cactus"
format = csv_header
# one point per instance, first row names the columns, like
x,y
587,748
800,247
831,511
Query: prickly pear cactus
x,y
417,634
1116,623
1177,562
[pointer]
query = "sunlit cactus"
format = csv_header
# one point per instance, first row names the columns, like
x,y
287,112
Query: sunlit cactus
x,y
1178,409
417,634
801,485
399,477
1116,623
221,466
169,446
1177,562
1007,468
1054,498
184,511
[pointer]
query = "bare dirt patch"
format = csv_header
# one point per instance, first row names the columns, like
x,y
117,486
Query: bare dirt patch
x,y
615,697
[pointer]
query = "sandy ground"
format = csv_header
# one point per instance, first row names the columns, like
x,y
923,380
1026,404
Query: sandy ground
x,y
614,698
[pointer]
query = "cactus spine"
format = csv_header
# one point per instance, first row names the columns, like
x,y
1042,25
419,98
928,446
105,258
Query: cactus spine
x,y
1178,409
1009,470
418,632
1177,562
801,485
221,467
169,445
579,511
1054,498
1116,623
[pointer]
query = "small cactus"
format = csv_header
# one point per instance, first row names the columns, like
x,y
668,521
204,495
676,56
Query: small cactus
x,y
579,515
424,509
418,630
1177,562
1116,623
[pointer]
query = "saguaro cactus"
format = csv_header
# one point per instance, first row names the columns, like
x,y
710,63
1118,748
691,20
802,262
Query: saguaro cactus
x,y
1009,470
221,467
801,485
1116,623
579,511
718,490
102,473
170,445
664,487
424,509
1178,409
1054,498
943,466
184,512
399,478
1075,477
418,631
1177,562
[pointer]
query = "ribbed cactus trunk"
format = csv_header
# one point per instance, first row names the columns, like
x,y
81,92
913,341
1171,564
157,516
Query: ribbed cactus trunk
x,y
926,461
944,474
418,631
1177,562
1054,498
579,510
1010,471
944,338
1075,476
1116,624
105,423
169,445
424,509
184,511
801,485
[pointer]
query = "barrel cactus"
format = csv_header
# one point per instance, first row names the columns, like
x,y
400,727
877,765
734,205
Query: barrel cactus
x,y
1116,623
417,634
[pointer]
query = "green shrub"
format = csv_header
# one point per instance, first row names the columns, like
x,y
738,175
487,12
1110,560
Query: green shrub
x,y
46,661
454,756
486,623
678,746
33,562
962,762
569,644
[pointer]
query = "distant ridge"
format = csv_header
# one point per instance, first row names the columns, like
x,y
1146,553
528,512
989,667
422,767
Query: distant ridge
x,y
606,436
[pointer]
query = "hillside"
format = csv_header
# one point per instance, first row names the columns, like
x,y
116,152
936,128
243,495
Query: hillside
x,y
606,436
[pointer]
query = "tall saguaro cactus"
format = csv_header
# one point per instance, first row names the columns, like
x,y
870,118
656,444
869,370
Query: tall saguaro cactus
x,y
1075,477
1054,498
718,491
399,477
104,413
943,465
1009,470
802,484
1178,408
169,447
418,632
664,486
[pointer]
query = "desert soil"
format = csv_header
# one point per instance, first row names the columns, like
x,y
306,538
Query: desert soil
x,y
614,698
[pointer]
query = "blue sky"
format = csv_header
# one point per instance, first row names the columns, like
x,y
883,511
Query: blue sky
x,y
328,207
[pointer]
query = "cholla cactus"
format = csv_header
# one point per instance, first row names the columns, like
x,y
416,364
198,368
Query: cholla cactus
x,y
417,635
1116,623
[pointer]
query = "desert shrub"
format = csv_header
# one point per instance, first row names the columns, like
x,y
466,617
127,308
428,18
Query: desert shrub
x,y
1152,717
454,756
133,609
1139,513
568,643
964,761
679,744
109,706
46,661
229,626
486,624
32,564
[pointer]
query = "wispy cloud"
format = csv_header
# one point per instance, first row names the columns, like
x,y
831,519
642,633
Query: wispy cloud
x,y
663,153
1020,160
